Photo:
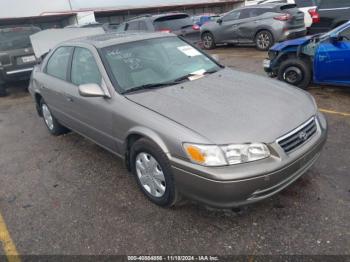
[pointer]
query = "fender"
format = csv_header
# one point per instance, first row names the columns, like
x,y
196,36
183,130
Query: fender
x,y
148,133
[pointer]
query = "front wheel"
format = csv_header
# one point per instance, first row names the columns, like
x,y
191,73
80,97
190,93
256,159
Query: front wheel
x,y
153,173
264,40
296,72
208,41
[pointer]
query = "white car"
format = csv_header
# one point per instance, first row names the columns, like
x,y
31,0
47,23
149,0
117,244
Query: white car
x,y
309,8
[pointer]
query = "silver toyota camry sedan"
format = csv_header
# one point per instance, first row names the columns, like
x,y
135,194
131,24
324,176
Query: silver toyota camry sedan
x,y
185,125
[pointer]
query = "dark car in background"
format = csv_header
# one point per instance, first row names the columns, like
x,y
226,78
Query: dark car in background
x,y
263,25
180,24
333,13
17,58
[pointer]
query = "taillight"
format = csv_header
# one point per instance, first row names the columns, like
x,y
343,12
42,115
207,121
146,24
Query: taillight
x,y
315,16
283,17
164,30
196,27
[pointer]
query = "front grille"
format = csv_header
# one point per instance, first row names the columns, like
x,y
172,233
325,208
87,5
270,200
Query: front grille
x,y
299,136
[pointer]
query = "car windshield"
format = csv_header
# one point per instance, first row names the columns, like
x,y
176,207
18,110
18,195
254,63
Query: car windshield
x,y
16,38
155,62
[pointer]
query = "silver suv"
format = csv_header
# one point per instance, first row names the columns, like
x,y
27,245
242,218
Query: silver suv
x,y
260,24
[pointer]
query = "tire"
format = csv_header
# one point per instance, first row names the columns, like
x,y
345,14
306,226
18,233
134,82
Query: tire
x,y
54,127
296,72
208,41
264,40
148,173
3,92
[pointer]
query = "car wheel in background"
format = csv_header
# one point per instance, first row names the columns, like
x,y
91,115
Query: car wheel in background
x,y
264,40
208,40
152,170
296,72
54,127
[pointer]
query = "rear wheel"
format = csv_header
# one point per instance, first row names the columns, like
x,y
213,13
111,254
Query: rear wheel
x,y
264,40
208,41
54,127
296,72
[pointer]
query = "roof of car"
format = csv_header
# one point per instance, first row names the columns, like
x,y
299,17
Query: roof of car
x,y
105,40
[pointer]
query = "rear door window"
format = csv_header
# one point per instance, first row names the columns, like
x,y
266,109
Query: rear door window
x,y
57,65
84,68
247,13
173,23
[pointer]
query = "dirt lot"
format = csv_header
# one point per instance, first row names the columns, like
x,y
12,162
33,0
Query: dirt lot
x,y
65,195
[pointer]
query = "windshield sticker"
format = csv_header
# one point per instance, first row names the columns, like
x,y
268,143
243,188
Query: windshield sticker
x,y
189,51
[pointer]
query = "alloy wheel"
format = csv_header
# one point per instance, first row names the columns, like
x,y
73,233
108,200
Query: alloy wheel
x,y
263,40
207,41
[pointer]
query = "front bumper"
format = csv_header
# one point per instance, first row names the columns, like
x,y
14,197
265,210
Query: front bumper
x,y
16,74
255,181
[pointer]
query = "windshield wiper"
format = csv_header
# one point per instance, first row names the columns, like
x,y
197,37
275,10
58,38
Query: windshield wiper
x,y
170,83
147,87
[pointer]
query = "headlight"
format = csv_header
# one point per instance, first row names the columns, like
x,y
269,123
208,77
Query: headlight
x,y
206,155
237,154
213,155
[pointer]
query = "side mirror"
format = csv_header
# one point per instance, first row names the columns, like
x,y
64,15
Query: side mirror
x,y
91,90
219,21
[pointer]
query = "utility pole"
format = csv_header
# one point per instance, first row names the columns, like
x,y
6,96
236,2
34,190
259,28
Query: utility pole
x,y
71,8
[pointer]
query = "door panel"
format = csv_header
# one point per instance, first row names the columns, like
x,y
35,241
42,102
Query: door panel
x,y
229,25
90,116
332,62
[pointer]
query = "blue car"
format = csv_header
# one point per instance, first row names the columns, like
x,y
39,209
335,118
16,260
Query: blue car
x,y
322,59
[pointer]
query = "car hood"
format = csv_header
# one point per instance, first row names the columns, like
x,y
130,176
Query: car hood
x,y
294,42
231,106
